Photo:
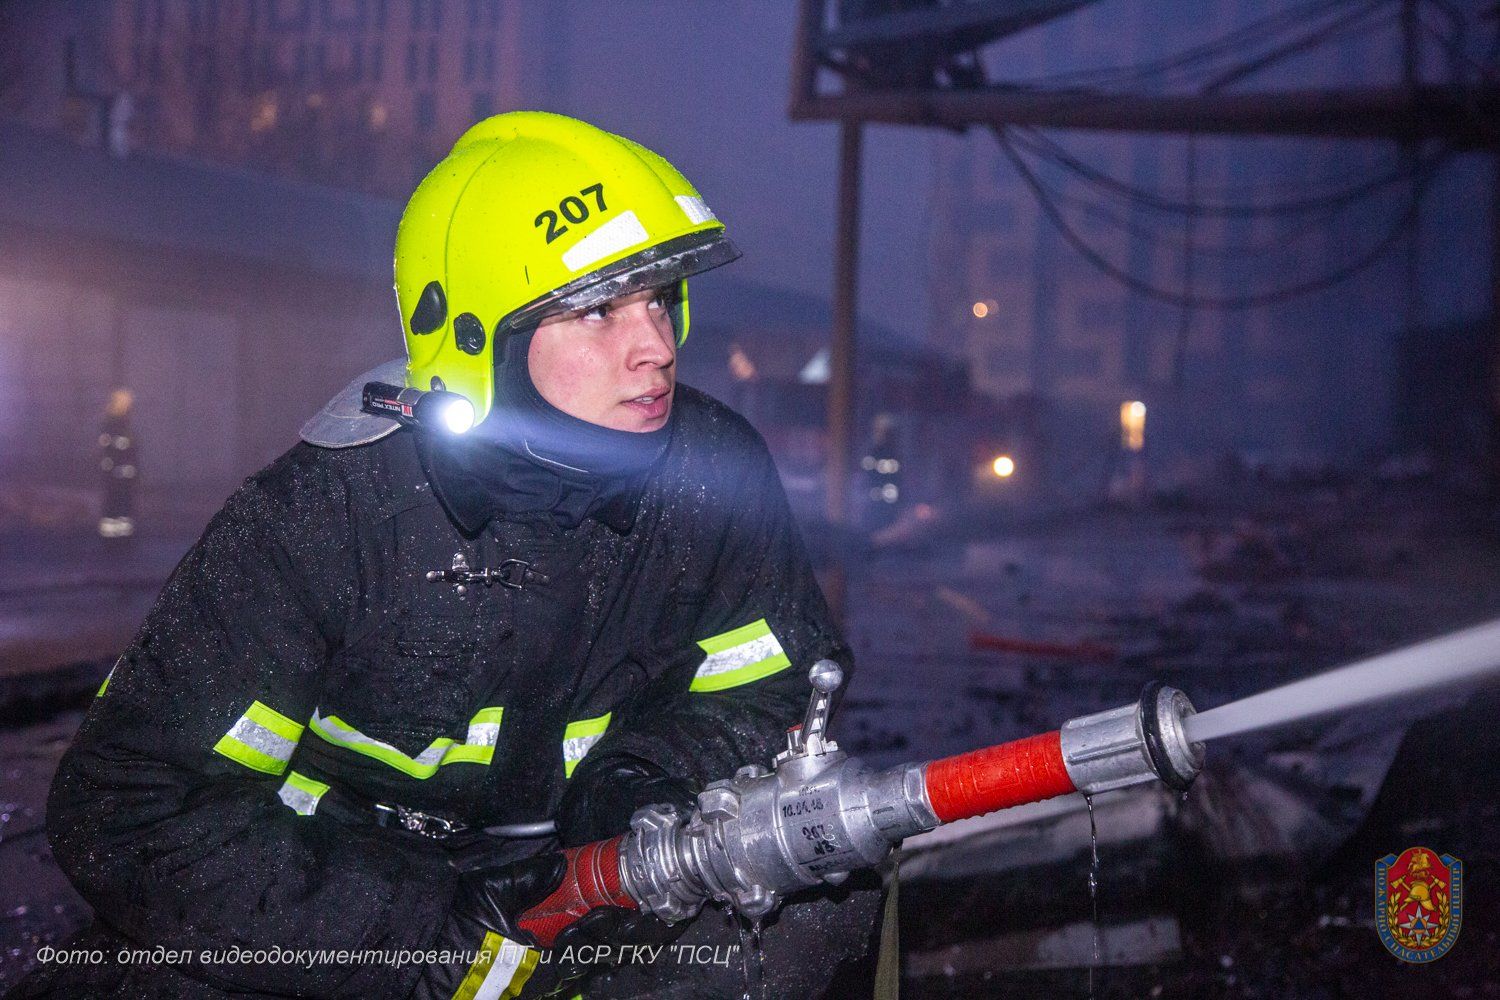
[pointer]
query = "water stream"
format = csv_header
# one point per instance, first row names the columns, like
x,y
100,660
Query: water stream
x,y
752,958
1093,888
1461,656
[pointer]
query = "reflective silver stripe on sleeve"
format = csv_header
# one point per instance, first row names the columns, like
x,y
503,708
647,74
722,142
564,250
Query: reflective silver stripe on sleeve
x,y
743,655
578,747
739,656
301,793
482,734
252,734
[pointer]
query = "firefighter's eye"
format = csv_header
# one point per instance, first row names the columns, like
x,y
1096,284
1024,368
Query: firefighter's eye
x,y
597,312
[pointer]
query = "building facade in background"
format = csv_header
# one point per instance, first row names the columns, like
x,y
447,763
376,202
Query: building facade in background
x,y
1308,378
359,94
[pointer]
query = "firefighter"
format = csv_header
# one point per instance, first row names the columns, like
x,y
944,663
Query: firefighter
x,y
397,636
118,470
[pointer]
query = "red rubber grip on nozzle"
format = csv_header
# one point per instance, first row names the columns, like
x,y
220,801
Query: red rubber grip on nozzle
x,y
592,879
981,781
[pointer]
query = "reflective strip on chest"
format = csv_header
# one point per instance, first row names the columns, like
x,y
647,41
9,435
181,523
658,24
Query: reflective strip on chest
x,y
502,968
262,739
300,793
579,738
740,656
477,748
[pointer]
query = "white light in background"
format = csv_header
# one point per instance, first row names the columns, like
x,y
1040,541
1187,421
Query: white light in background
x,y
817,370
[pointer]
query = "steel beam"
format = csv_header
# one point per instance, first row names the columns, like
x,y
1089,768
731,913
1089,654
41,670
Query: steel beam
x,y
1467,117
958,25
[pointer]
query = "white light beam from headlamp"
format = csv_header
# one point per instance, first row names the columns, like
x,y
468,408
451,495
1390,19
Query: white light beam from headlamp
x,y
458,415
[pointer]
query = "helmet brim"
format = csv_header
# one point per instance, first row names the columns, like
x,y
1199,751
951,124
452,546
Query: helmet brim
x,y
654,267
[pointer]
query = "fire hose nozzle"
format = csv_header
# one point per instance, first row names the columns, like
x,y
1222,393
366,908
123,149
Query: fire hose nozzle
x,y
1133,744
818,815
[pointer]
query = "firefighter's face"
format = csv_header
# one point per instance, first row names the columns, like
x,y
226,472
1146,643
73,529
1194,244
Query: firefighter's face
x,y
613,365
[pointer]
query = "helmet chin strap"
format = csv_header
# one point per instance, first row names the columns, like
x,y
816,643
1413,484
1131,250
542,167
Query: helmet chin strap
x,y
526,424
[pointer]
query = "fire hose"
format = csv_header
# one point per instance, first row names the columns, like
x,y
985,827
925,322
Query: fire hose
x,y
818,814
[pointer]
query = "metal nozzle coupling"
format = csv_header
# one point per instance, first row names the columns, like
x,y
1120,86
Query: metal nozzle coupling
x,y
1133,744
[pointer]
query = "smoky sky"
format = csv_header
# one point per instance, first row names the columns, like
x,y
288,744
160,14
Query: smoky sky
x,y
706,83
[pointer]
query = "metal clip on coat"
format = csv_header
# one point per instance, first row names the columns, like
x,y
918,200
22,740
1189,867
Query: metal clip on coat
x,y
819,814
512,573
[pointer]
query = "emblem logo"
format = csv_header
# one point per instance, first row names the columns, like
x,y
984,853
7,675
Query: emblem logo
x,y
1419,903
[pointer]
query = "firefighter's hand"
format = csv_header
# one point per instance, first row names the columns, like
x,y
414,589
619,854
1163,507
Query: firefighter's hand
x,y
495,897
599,803
490,901
610,926
606,936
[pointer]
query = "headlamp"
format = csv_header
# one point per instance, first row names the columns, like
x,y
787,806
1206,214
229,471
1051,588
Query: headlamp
x,y
421,407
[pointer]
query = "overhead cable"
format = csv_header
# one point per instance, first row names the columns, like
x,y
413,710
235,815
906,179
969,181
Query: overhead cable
x,y
1181,299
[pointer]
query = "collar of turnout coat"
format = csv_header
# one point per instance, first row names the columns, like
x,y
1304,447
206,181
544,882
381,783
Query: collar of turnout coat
x,y
479,480
528,459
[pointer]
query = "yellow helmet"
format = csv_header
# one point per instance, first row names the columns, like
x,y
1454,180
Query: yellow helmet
x,y
530,214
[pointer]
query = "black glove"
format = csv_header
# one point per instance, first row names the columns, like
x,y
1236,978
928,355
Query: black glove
x,y
612,926
608,936
599,802
495,898
492,899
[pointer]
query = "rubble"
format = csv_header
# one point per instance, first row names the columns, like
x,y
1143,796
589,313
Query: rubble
x,y
1266,867
1258,884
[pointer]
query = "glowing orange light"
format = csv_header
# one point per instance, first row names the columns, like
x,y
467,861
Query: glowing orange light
x,y
1004,466
740,365
1133,425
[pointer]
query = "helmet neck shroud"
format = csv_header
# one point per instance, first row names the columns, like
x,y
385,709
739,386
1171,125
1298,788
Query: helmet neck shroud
x,y
529,457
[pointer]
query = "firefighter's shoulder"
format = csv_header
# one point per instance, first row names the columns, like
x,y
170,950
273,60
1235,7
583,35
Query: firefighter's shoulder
x,y
314,486
710,429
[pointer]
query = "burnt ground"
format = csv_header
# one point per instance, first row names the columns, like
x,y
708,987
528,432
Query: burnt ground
x,y
1300,928
1259,884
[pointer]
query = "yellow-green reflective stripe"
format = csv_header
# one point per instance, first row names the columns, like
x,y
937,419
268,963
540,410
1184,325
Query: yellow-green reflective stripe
x,y
301,793
268,718
739,656
262,739
478,748
105,686
500,971
484,728
579,738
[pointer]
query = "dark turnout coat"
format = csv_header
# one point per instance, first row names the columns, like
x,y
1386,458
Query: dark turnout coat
x,y
299,666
